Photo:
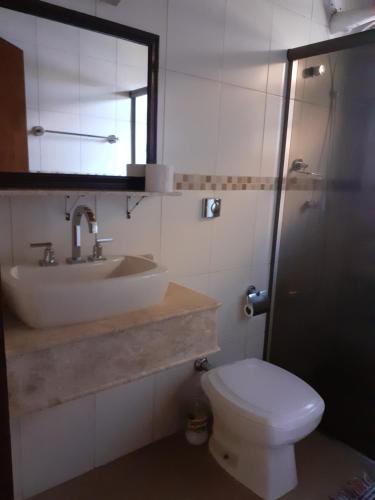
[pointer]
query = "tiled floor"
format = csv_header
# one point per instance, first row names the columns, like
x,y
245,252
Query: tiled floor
x,y
173,470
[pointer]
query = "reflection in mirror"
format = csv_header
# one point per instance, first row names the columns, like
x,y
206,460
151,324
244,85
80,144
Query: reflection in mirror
x,y
86,96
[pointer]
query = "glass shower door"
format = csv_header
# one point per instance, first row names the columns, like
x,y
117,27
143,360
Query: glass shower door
x,y
323,317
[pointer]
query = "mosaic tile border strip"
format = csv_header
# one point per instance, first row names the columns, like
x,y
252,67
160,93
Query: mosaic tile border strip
x,y
191,182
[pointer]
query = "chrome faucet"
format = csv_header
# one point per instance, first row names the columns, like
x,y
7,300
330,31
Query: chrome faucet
x,y
76,235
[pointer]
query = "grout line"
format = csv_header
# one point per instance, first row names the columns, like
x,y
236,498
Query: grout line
x,y
270,46
222,82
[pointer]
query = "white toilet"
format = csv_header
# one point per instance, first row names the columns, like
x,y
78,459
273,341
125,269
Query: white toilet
x,y
260,411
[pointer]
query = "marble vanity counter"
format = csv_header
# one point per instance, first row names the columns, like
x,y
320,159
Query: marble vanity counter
x,y
52,366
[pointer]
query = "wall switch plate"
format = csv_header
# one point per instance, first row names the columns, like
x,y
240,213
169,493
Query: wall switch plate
x,y
211,208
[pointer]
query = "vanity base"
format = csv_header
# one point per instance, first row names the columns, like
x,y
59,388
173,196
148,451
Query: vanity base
x,y
50,367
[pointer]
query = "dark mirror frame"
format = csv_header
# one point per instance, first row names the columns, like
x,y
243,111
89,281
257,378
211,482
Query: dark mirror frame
x,y
9,180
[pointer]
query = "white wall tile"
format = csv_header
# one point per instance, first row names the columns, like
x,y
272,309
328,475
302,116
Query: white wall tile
x,y
36,219
320,13
16,26
260,275
97,87
97,155
173,391
131,54
186,237
197,282
247,43
6,229
263,231
255,339
229,353
195,37
289,30
135,236
97,45
149,15
318,33
58,36
123,148
123,419
233,231
58,80
229,287
57,444
33,141
191,123
272,136
303,7
60,153
241,131
130,77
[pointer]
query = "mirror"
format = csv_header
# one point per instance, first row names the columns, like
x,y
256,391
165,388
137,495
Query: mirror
x,y
87,107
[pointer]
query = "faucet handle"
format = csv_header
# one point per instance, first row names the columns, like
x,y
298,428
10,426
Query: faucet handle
x,y
36,245
97,251
103,240
49,258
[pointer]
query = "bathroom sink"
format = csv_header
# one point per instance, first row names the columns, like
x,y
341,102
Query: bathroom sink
x,y
45,297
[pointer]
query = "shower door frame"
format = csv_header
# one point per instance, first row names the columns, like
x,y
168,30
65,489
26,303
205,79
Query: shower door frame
x,y
320,48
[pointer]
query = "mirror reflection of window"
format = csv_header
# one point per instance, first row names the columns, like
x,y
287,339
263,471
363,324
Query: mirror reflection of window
x,y
139,125
79,82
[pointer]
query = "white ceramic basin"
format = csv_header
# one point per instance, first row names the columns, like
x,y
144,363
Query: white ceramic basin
x,y
44,297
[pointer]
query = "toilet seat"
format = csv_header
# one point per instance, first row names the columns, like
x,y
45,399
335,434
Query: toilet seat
x,y
264,393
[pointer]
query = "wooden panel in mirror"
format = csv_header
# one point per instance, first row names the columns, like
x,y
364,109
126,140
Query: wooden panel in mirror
x,y
13,133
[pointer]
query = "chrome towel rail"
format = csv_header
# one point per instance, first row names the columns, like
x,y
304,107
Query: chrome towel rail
x,y
38,130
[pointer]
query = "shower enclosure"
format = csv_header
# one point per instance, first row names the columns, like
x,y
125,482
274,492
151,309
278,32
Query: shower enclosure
x,y
322,325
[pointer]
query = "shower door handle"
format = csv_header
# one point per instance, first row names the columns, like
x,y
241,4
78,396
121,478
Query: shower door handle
x,y
300,166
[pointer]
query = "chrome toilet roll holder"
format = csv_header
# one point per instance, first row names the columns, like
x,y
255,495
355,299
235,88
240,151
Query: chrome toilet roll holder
x,y
257,302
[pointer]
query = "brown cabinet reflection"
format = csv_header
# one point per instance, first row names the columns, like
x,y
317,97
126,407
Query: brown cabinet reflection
x,y
13,129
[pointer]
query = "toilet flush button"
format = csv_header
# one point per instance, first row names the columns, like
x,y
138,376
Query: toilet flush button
x,y
211,208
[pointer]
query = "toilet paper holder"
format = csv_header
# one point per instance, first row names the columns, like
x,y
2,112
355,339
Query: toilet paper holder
x,y
257,302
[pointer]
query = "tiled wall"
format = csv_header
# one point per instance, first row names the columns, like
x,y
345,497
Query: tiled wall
x,y
222,67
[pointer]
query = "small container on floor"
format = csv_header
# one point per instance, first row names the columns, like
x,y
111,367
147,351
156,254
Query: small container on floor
x,y
197,423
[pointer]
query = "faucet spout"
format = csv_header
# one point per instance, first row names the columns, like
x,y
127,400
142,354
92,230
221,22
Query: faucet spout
x,y
76,228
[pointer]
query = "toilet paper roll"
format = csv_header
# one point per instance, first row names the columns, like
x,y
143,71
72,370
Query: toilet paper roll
x,y
248,310
159,178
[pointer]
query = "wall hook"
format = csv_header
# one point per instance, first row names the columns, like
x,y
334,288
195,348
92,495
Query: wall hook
x,y
129,210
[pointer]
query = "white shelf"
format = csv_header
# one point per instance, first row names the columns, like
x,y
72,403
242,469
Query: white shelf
x,y
44,192
148,193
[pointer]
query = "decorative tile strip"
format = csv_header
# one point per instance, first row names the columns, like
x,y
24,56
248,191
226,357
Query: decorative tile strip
x,y
303,184
191,182
223,182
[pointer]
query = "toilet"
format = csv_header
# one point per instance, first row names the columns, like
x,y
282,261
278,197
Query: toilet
x,y
260,411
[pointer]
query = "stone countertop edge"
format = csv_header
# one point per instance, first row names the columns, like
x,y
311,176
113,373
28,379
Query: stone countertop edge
x,y
120,381
179,301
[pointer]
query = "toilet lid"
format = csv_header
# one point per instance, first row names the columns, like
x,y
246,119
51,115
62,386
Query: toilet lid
x,y
266,393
